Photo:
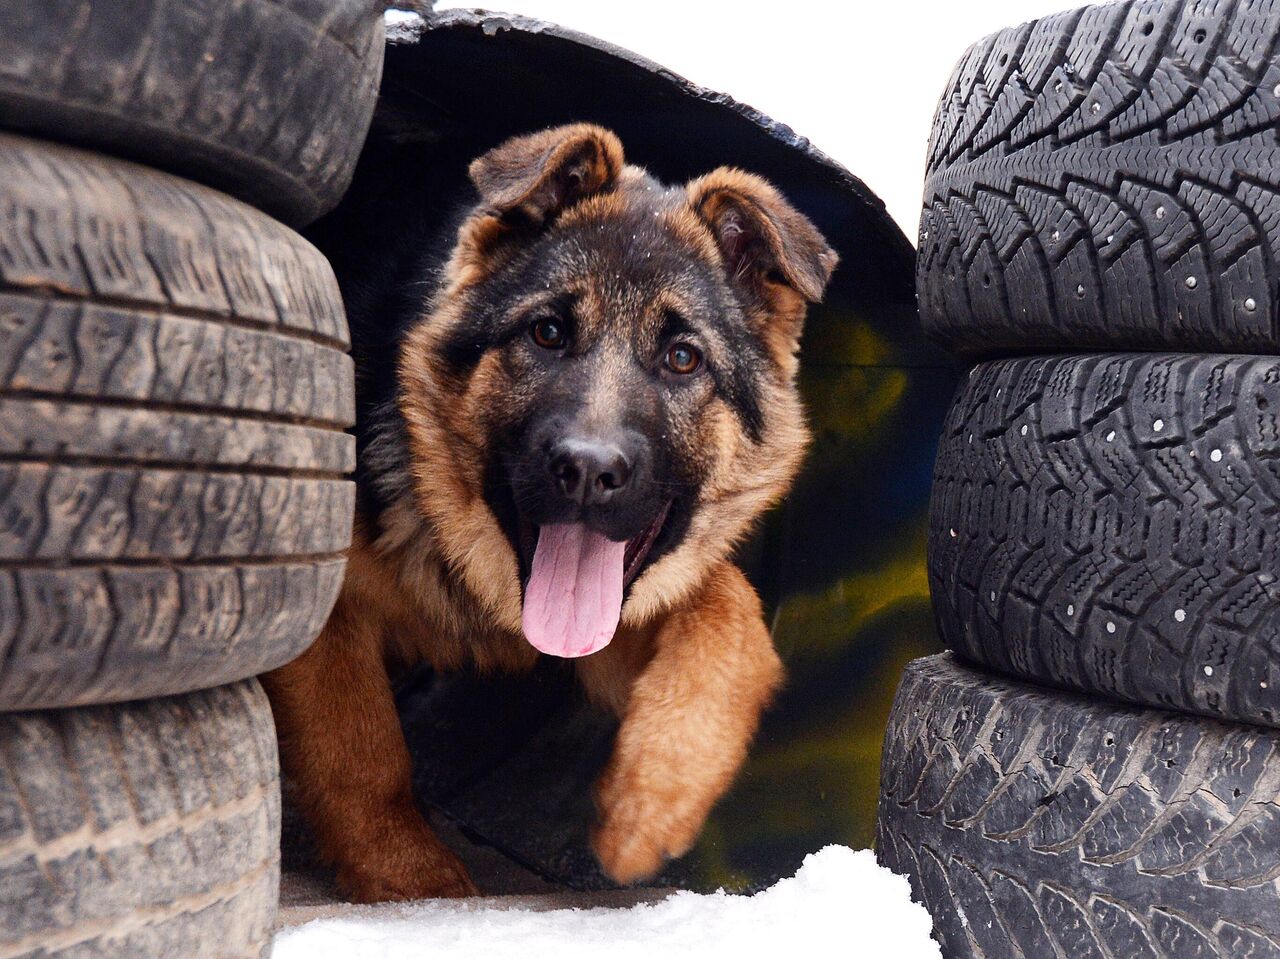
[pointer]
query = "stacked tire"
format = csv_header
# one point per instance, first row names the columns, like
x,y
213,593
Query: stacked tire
x,y
174,492
1094,769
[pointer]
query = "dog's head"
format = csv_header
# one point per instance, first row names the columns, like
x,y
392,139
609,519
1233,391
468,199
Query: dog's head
x,y
601,398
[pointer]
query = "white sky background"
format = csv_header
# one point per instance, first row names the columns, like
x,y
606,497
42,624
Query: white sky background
x,y
860,79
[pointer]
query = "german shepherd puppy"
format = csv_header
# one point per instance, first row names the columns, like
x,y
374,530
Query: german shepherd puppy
x,y
595,398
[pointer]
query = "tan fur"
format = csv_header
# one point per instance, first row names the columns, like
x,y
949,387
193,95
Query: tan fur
x,y
689,716
691,667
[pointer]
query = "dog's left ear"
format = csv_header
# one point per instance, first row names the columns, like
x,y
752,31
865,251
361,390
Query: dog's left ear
x,y
535,176
762,237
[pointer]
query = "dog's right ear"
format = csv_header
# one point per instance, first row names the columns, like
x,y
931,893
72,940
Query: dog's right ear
x,y
533,177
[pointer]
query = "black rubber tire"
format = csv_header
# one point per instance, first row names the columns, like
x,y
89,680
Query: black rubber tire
x,y
173,395
146,830
269,100
1108,523
1109,178
1035,824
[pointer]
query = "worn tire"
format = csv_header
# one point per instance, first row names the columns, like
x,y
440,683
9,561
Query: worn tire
x,y
148,830
173,396
1109,178
1107,523
269,100
1035,824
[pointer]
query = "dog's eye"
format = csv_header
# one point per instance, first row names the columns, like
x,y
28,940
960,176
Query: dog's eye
x,y
683,359
548,333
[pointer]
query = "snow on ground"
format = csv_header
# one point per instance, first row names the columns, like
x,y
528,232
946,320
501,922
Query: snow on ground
x,y
840,903
402,25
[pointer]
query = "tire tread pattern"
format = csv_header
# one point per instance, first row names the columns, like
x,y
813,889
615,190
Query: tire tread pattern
x,y
174,393
267,99
1109,178
1107,523
148,829
1034,824
85,226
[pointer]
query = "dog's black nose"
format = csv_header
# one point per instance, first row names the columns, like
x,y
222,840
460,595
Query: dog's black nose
x,y
589,472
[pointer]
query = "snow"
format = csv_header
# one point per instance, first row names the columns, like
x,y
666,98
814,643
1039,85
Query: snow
x,y
403,26
839,903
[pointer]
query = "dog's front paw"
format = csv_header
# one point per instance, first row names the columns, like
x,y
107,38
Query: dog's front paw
x,y
639,832
424,873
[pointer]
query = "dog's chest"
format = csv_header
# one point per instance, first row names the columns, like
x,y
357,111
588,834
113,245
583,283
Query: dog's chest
x,y
428,614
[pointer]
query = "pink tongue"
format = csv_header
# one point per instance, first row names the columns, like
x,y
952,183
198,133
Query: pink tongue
x,y
574,596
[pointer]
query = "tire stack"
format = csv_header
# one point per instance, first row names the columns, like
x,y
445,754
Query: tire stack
x,y
1094,770
174,501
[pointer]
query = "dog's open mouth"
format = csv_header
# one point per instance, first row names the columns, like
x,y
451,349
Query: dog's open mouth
x,y
577,579
638,547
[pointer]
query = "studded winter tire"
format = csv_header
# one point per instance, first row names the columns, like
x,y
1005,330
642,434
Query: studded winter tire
x,y
1108,523
1034,823
1109,178
173,393
269,100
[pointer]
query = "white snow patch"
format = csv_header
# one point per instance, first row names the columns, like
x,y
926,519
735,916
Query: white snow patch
x,y
403,26
839,903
